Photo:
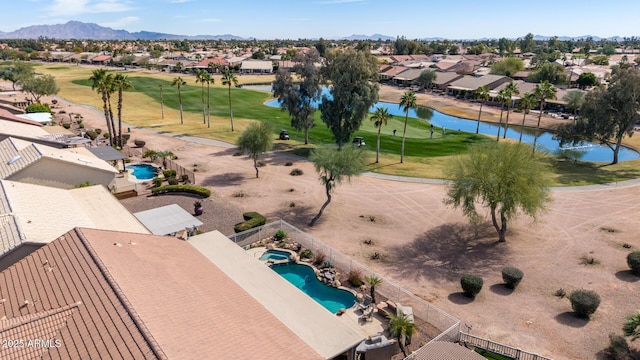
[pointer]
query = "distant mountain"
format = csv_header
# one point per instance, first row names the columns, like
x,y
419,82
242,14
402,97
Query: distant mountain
x,y
80,30
367,37
574,38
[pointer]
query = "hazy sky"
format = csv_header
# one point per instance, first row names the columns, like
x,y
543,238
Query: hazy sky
x,y
293,19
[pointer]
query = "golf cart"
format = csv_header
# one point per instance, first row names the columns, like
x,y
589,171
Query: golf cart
x,y
358,141
284,135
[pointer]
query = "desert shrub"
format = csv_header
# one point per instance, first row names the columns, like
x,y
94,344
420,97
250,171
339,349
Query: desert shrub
x,y
126,137
37,108
105,135
184,178
197,190
66,126
81,125
157,182
280,235
239,194
98,131
252,219
91,135
261,163
172,180
139,143
560,293
633,260
296,172
306,254
584,302
355,278
512,276
318,258
588,260
618,348
471,285
288,163
169,173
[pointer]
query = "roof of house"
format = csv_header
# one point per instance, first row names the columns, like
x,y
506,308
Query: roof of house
x,y
392,71
167,219
523,88
107,153
409,75
9,116
473,82
101,58
443,78
257,65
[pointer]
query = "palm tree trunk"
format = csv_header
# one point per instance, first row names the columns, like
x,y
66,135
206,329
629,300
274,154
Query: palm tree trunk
x,y
479,114
500,123
204,115
106,115
306,135
208,107
506,124
404,132
161,104
535,138
112,134
524,115
180,101
230,108
120,118
378,144
327,188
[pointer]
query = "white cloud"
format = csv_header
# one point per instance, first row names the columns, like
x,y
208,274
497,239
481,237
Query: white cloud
x,y
121,23
74,7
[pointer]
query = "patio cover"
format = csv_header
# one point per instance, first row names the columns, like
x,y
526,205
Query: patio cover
x,y
167,219
107,153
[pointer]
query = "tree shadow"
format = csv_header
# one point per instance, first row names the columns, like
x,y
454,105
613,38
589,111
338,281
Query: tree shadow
x,y
627,276
460,298
449,250
569,318
227,179
225,152
501,289
298,216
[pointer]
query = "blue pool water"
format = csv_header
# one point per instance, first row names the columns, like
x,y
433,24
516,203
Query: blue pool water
x,y
303,277
546,141
276,255
143,171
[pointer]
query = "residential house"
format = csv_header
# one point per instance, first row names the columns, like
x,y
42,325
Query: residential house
x,y
408,77
256,67
443,79
468,84
389,72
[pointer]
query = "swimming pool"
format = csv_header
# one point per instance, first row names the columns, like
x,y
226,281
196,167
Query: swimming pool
x,y
303,277
143,171
276,255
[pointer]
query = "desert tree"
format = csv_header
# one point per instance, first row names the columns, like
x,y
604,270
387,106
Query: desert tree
x,y
39,86
426,78
229,78
379,118
179,83
353,77
299,98
505,177
334,166
256,139
408,101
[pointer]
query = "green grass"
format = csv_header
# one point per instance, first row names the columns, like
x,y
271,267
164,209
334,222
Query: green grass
x,y
491,356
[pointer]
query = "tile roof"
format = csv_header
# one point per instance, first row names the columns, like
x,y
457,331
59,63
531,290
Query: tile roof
x,y
474,82
67,272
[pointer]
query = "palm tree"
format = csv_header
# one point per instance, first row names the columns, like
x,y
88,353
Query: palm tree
x,y
483,94
527,102
161,101
98,81
229,78
209,80
502,98
121,83
164,155
179,82
379,118
401,327
543,92
407,101
110,90
200,78
512,89
574,100
373,281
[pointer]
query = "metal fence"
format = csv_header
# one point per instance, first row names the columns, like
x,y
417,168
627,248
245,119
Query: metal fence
x,y
180,170
498,348
438,324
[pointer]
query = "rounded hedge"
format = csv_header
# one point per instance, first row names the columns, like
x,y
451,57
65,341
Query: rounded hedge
x,y
633,260
584,302
204,192
512,276
471,285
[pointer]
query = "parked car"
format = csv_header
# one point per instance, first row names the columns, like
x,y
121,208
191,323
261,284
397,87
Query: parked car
x,y
284,135
358,141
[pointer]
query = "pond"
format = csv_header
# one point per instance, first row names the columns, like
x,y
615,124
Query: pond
x,y
585,152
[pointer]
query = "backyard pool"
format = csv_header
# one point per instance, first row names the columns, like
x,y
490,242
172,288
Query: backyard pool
x,y
143,171
303,277
276,255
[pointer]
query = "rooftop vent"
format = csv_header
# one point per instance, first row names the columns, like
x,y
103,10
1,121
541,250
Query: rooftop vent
x,y
14,159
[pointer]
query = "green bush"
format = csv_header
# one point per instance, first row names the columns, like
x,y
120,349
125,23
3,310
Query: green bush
x,y
157,182
512,276
584,302
252,219
280,235
169,173
37,108
618,348
355,278
139,143
91,135
66,126
172,180
633,260
306,254
105,135
471,285
197,190
98,131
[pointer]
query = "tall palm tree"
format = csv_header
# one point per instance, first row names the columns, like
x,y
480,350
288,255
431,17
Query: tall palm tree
x,y
483,94
543,92
179,82
209,80
98,82
502,98
200,78
161,101
110,90
401,327
229,78
512,89
527,103
379,118
121,83
407,101
574,100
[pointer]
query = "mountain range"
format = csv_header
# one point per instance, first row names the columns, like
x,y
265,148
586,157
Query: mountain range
x,y
81,30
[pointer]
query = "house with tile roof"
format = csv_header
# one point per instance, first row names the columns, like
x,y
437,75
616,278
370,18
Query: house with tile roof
x,y
34,163
106,294
470,83
256,67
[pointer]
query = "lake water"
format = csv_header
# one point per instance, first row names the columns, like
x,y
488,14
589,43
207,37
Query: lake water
x,y
584,152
